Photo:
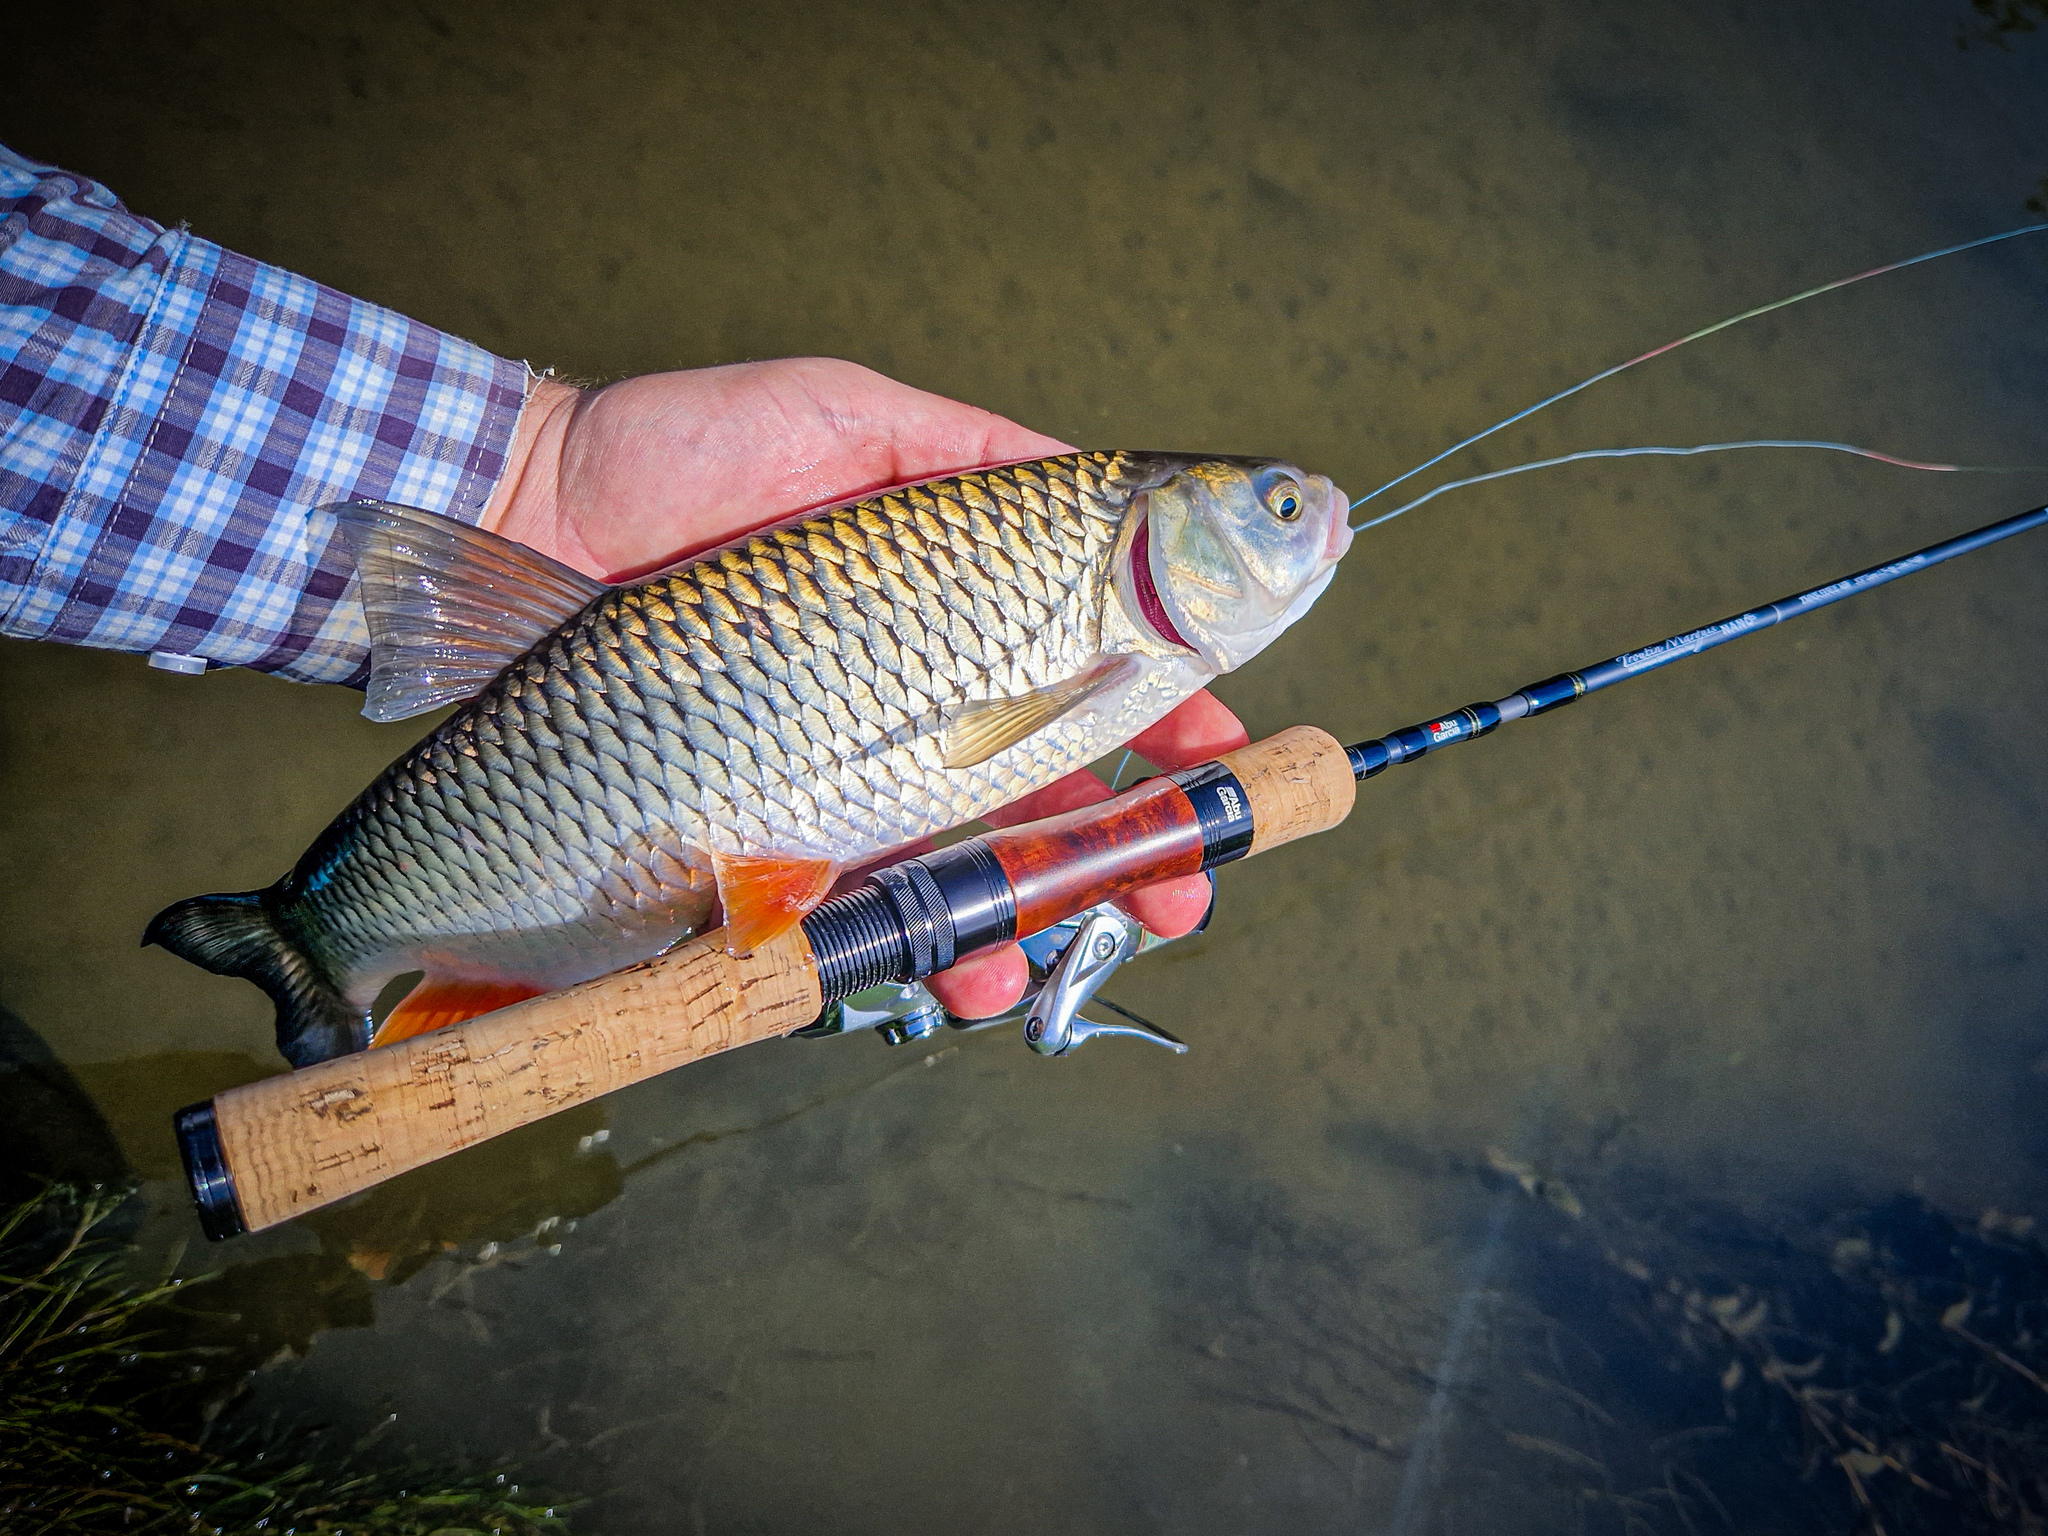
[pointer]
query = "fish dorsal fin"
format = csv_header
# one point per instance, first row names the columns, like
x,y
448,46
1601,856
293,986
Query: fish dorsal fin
x,y
449,606
976,732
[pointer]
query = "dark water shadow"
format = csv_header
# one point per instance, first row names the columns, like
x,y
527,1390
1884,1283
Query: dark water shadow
x,y
137,1095
50,1128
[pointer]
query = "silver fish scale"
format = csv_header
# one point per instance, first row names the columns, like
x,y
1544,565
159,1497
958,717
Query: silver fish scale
x,y
783,697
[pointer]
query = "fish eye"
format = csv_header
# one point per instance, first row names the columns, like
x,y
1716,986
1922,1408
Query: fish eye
x,y
1284,500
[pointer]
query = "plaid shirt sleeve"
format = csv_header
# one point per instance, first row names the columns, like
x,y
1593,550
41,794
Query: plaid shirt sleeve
x,y
171,414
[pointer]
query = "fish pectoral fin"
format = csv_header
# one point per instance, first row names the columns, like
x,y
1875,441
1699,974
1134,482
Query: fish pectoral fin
x,y
976,732
449,606
764,897
437,1004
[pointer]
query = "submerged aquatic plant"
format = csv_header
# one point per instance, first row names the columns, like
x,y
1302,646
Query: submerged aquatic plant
x,y
104,1414
1880,1369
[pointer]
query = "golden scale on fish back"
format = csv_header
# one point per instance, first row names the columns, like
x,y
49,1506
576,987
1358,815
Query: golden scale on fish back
x,y
734,732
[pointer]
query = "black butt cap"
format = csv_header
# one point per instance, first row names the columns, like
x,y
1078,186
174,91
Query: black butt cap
x,y
206,1169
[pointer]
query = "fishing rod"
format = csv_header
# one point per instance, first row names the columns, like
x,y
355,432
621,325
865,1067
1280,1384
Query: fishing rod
x,y
266,1152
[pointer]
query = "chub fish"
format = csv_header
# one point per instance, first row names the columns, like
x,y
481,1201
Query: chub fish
x,y
628,761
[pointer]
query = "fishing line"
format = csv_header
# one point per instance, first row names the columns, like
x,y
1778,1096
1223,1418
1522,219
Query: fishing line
x,y
1687,452
1673,346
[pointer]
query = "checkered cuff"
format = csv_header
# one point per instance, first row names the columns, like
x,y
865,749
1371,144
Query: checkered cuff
x,y
170,415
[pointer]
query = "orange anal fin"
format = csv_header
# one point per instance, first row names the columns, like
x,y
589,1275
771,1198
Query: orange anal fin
x,y
764,897
437,1004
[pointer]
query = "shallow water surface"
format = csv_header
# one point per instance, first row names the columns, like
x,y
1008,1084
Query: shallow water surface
x,y
1509,1102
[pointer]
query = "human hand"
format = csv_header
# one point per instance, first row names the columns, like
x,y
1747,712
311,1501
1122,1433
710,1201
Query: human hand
x,y
635,476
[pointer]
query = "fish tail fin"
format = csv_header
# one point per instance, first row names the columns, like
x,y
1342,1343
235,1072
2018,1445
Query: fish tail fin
x,y
234,934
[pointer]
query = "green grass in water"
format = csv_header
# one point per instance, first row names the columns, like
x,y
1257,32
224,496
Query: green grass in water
x,y
103,1415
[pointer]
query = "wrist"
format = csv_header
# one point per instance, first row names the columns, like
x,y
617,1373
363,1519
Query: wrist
x,y
527,505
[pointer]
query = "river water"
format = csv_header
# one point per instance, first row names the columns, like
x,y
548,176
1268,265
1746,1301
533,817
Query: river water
x,y
1509,1101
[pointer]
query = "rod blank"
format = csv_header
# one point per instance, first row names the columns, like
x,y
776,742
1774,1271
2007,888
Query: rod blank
x,y
1476,720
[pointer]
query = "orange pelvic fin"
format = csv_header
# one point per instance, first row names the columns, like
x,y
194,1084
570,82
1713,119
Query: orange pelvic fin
x,y
764,897
437,1004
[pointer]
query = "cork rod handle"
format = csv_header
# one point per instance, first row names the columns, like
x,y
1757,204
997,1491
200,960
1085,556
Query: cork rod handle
x,y
1298,780
302,1140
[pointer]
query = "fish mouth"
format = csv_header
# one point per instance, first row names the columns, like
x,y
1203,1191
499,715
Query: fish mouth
x,y
1338,541
1151,606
